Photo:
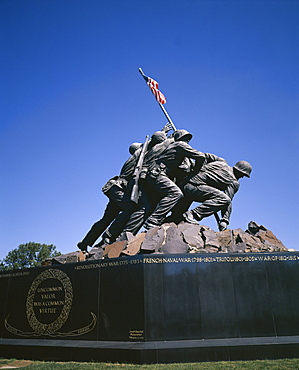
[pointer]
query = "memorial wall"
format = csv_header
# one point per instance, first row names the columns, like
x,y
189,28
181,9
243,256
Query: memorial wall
x,y
154,298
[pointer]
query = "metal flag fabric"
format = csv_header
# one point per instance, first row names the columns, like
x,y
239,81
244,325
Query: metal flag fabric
x,y
154,86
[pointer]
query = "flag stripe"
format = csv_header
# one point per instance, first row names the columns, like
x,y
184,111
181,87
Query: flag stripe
x,y
154,86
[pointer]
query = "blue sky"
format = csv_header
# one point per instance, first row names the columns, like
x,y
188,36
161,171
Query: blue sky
x,y
72,101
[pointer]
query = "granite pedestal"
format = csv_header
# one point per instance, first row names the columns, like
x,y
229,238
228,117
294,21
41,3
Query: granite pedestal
x,y
154,309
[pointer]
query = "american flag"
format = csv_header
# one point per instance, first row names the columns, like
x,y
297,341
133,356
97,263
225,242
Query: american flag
x,y
154,86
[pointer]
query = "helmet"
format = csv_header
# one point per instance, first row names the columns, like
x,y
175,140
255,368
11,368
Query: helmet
x,y
133,147
158,136
244,167
184,135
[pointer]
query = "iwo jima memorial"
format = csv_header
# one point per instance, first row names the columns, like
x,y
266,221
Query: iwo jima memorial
x,y
149,282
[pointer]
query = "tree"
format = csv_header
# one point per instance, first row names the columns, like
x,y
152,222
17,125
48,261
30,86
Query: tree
x,y
28,255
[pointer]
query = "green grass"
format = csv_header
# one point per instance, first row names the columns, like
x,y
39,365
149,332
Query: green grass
x,y
221,365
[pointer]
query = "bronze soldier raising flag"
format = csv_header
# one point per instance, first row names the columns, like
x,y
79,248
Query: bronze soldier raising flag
x,y
120,190
165,175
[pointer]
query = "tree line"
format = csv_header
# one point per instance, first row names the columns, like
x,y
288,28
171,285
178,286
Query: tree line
x,y
28,255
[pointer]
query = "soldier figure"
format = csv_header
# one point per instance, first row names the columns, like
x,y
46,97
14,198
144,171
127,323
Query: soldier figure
x,y
162,172
119,199
171,161
208,179
146,201
214,186
113,231
118,189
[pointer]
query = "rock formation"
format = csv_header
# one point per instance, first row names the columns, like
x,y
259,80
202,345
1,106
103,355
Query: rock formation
x,y
184,238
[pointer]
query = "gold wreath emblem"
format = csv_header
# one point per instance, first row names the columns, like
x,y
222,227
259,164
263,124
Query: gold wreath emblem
x,y
51,328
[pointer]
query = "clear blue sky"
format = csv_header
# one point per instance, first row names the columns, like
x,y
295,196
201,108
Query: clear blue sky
x,y
72,101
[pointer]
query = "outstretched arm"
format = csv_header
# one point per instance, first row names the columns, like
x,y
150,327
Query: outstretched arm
x,y
226,213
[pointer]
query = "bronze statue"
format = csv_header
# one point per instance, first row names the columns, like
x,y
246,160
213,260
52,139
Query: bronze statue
x,y
214,186
119,199
139,197
162,175
118,190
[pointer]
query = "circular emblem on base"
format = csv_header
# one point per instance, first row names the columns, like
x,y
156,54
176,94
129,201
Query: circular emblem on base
x,y
49,301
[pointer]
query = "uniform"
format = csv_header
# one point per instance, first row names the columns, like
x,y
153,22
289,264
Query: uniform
x,y
214,186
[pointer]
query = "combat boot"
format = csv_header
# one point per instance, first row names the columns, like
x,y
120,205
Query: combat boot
x,y
189,217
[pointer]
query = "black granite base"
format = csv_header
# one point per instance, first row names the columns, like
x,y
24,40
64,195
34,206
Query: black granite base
x,y
154,309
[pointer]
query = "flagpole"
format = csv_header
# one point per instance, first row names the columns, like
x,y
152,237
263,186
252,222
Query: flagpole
x,y
161,106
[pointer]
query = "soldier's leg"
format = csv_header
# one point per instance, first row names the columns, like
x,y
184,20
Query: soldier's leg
x,y
212,200
121,220
113,208
146,207
111,211
136,221
169,194
181,207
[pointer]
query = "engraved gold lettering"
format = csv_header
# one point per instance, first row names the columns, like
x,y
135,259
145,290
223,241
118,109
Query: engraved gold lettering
x,y
48,296
136,334
49,300
48,303
209,259
50,289
134,262
194,259
14,274
47,310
